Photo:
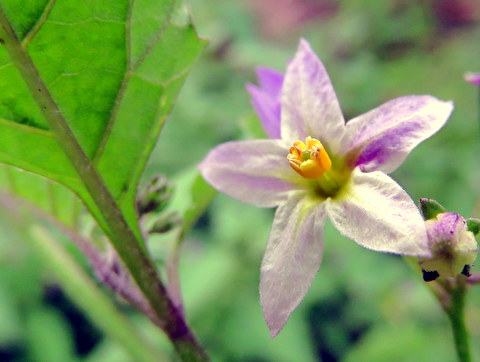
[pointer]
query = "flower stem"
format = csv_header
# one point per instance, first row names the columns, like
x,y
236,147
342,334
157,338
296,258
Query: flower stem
x,y
123,239
455,309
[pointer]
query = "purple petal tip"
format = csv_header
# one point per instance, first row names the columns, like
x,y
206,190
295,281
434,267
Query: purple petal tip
x,y
473,78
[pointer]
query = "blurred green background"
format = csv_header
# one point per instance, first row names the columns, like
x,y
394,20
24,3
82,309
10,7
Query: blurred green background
x,y
363,306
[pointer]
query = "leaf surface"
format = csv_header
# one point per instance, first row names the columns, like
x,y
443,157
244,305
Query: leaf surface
x,y
114,68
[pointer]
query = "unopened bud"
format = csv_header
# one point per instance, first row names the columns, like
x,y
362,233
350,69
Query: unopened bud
x,y
155,196
452,245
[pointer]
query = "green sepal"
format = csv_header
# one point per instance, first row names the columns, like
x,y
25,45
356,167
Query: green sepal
x,y
430,208
473,225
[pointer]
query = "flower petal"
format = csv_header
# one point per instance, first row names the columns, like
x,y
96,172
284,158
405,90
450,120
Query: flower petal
x,y
270,81
378,214
382,138
309,104
292,258
266,99
256,172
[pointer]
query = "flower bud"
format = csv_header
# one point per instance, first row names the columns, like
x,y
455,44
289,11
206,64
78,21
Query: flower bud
x,y
452,245
165,222
155,196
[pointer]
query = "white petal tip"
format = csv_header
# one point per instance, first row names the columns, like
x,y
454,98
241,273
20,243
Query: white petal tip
x,y
442,108
451,105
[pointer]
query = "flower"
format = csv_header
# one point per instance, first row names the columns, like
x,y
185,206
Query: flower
x,y
473,78
317,167
453,246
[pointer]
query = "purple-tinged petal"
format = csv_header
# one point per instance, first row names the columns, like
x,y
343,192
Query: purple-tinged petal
x,y
473,78
309,104
382,138
377,213
266,99
292,258
256,172
270,81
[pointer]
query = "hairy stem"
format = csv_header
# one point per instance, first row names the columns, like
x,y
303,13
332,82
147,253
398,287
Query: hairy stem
x,y
122,237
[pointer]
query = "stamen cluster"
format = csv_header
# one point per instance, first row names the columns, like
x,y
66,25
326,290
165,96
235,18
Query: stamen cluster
x,y
309,159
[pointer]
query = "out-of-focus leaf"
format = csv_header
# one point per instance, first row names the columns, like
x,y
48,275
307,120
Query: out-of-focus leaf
x,y
9,323
47,338
201,194
253,127
88,296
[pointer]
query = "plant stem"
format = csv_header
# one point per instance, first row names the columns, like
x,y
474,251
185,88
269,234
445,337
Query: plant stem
x,y
455,309
122,237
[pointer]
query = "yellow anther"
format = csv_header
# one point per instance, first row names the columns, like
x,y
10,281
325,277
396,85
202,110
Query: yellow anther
x,y
309,159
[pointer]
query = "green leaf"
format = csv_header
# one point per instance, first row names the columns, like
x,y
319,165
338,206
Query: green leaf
x,y
50,197
114,68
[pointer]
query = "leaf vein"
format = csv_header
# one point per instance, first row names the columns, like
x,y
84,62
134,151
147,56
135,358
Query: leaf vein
x,y
32,168
121,91
86,21
26,128
128,74
41,20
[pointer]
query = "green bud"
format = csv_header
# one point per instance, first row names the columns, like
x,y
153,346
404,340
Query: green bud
x,y
155,196
430,208
165,222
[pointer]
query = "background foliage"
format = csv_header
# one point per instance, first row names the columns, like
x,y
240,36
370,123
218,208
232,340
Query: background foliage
x,y
362,305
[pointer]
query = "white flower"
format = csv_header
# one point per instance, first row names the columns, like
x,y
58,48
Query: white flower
x,y
318,167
